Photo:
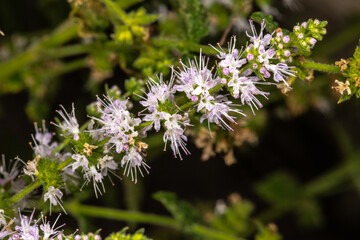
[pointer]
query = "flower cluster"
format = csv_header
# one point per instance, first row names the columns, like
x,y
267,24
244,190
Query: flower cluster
x,y
29,228
114,136
351,71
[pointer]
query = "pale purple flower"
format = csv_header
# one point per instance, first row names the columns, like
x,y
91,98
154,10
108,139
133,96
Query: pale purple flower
x,y
80,161
28,229
70,125
231,59
195,79
96,177
50,232
42,141
175,125
259,39
281,72
132,163
54,195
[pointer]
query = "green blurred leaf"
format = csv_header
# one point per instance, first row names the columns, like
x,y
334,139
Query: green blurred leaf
x,y
195,18
308,213
181,210
279,189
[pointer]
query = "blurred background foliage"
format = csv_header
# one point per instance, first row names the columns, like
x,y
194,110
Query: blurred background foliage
x,y
295,167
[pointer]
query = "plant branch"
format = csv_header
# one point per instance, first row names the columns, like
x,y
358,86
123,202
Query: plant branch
x,y
322,67
138,217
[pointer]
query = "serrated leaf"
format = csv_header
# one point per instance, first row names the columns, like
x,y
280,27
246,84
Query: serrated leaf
x,y
181,210
195,18
271,24
279,189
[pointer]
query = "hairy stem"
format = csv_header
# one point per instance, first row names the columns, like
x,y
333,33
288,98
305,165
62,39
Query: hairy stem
x,y
24,192
138,217
322,67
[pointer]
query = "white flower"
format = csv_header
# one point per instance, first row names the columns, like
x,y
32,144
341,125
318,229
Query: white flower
x,y
259,39
231,60
50,232
218,112
54,195
93,175
70,125
106,164
133,162
281,72
175,126
80,161
31,167
117,123
196,79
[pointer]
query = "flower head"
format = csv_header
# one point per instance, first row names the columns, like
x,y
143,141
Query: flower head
x,y
132,163
54,195
69,125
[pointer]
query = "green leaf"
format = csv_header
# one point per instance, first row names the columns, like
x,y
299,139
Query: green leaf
x,y
279,189
181,211
309,213
140,17
235,219
195,18
271,24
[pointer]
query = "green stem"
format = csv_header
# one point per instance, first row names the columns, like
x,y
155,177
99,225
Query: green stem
x,y
138,217
61,35
115,214
24,192
321,67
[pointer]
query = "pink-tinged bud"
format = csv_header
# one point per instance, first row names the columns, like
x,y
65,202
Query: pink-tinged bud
x,y
223,81
255,65
262,70
296,28
304,24
279,34
286,39
194,98
316,22
267,74
287,53
300,35
236,95
226,71
76,137
235,52
280,46
312,41
250,57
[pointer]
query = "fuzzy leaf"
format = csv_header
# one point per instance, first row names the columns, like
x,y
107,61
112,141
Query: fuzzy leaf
x,y
271,24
